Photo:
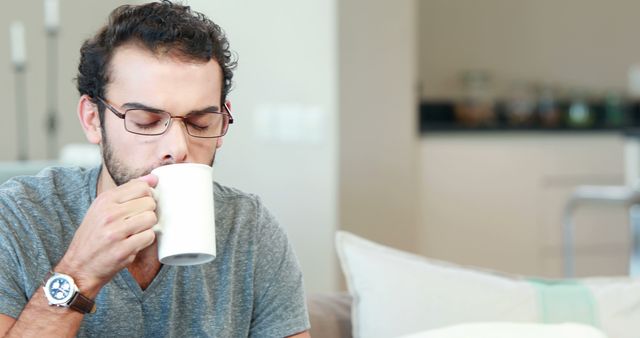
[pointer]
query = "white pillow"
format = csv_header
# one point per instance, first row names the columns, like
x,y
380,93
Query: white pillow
x,y
511,330
398,293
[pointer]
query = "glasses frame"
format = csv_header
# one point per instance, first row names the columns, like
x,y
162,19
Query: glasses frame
x,y
171,118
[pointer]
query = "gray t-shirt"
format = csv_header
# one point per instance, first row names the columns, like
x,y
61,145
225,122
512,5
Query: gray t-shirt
x,y
253,287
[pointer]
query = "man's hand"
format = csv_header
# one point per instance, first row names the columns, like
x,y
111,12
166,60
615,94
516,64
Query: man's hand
x,y
116,227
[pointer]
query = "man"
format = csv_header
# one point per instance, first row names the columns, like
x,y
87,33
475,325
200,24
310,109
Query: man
x,y
146,80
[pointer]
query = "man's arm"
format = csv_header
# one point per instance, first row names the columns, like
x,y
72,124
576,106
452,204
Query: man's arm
x,y
116,227
6,323
278,283
38,317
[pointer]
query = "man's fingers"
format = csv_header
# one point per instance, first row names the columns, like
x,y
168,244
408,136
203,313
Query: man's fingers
x,y
150,179
137,206
131,208
139,241
140,222
132,190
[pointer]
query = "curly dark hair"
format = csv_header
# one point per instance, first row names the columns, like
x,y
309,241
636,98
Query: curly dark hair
x,y
161,27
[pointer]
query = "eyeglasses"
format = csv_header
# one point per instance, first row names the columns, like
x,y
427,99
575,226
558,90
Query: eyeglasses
x,y
152,122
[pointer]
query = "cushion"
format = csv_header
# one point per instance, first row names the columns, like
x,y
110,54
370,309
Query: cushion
x,y
329,314
511,330
397,293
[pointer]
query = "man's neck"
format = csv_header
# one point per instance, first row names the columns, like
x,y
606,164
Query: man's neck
x,y
105,182
145,266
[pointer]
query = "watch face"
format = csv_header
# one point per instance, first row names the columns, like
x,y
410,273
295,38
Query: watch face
x,y
59,290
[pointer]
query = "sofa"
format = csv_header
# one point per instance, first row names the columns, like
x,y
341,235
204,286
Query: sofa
x,y
398,294
75,154
330,315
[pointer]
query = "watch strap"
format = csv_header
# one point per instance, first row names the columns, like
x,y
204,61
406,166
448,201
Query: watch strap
x,y
82,304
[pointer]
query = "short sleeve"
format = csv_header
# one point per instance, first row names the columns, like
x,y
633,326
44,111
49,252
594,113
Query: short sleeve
x,y
279,302
13,297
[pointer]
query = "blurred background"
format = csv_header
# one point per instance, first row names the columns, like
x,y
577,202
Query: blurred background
x,y
454,129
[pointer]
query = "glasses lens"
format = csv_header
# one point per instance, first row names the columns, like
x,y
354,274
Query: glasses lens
x,y
146,122
207,124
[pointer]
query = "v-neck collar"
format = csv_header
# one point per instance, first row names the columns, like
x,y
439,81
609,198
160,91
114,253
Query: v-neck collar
x,y
126,278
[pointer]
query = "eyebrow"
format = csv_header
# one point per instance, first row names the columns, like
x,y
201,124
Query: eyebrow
x,y
137,105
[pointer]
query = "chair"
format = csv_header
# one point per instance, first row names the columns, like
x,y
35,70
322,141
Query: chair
x,y
588,194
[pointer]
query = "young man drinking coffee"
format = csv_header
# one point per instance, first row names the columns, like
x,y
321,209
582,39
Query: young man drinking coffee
x,y
80,257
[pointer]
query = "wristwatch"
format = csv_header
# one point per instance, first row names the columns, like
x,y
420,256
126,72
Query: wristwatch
x,y
61,290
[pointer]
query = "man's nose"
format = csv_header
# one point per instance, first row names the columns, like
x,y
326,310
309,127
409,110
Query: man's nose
x,y
175,142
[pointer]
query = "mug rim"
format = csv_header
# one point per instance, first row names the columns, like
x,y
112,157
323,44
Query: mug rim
x,y
189,164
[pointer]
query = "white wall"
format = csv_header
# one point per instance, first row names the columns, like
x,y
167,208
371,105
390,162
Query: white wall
x,y
378,120
286,82
79,19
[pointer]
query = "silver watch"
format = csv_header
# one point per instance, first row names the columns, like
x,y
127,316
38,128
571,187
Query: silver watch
x,y
61,290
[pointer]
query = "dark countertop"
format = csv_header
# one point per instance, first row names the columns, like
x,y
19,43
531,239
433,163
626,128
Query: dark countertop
x,y
439,117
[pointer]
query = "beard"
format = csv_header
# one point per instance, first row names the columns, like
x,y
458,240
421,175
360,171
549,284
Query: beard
x,y
116,169
120,173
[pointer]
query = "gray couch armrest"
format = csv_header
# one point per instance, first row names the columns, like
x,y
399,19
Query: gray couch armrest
x,y
330,315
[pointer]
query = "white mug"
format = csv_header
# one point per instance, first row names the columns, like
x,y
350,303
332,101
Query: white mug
x,y
186,230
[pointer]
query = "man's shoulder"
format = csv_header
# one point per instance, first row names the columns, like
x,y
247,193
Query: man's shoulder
x,y
50,181
236,207
45,206
233,196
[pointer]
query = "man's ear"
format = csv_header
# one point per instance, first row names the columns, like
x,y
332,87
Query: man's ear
x,y
89,119
219,140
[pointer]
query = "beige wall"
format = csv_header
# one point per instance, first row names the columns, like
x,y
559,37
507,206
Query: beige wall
x,y
78,20
496,200
378,134
588,43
